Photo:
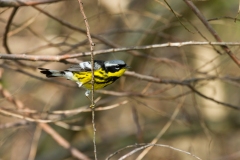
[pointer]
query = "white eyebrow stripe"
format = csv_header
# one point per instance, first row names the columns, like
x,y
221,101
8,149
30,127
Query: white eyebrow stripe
x,y
110,64
113,63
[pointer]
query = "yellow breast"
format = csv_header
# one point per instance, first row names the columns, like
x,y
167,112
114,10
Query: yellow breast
x,y
101,78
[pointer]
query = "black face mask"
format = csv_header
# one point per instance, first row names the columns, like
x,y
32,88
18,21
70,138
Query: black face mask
x,y
115,68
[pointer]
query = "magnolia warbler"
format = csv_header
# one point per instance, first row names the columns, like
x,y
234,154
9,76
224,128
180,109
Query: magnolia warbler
x,y
105,73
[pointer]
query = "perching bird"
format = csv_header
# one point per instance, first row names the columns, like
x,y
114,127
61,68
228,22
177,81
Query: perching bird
x,y
105,73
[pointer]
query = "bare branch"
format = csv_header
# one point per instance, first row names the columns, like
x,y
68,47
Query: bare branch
x,y
18,3
7,28
143,146
92,106
63,142
59,58
211,99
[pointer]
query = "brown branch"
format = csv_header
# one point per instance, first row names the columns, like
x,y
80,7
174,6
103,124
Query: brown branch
x,y
91,49
10,98
92,106
224,17
62,58
138,147
58,138
177,16
14,124
158,145
211,99
235,19
137,124
5,35
158,80
59,114
211,30
202,35
18,3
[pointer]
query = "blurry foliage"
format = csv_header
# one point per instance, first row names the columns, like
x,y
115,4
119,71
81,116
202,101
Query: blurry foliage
x,y
201,127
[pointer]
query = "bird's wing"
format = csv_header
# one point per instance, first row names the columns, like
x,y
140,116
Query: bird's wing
x,y
86,66
76,68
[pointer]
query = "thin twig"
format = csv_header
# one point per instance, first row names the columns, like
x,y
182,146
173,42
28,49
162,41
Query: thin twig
x,y
58,115
34,145
91,48
18,3
92,63
201,34
238,11
146,145
138,126
7,28
14,124
63,58
177,16
212,99
63,142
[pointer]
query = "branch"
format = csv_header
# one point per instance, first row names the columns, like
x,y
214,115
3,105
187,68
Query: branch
x,y
139,147
18,3
211,99
92,106
185,82
7,28
63,142
58,58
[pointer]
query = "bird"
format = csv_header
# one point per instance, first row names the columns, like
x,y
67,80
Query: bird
x,y
105,73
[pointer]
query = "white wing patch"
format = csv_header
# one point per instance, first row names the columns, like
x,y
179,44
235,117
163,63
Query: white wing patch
x,y
85,65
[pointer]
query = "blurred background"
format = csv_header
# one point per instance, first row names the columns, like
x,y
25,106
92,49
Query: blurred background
x,y
202,119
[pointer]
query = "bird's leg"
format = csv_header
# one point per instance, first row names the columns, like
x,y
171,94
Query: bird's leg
x,y
87,93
